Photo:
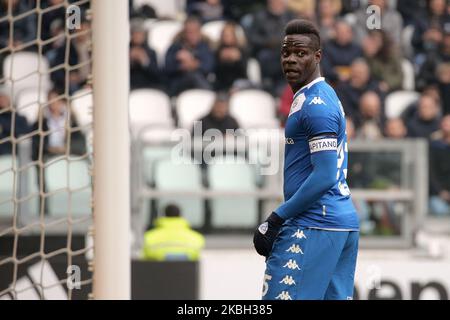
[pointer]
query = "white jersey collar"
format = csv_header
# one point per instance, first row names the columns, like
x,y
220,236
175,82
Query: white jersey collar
x,y
309,85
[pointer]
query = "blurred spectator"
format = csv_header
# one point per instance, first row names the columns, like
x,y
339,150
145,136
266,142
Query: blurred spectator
x,y
265,35
426,119
410,110
428,71
384,60
57,124
207,10
286,99
370,121
8,129
395,129
429,28
24,27
236,10
302,8
443,78
350,6
327,15
411,10
440,170
350,128
172,239
145,11
350,91
189,59
82,44
218,118
56,47
144,72
339,53
231,58
391,21
77,58
50,16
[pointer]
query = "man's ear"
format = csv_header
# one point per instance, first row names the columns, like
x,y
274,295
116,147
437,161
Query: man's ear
x,y
318,55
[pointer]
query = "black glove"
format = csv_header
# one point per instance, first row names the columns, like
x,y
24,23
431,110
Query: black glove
x,y
266,234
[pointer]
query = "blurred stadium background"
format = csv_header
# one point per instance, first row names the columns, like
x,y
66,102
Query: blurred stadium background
x,y
393,81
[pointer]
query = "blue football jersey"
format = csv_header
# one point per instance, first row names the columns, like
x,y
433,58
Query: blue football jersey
x,y
316,123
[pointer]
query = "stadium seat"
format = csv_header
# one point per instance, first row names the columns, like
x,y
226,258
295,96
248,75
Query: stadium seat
x,y
149,107
29,195
29,102
28,70
254,71
238,212
161,35
170,176
408,75
6,186
82,107
165,8
156,135
193,104
213,30
265,153
398,101
253,109
62,175
407,34
150,156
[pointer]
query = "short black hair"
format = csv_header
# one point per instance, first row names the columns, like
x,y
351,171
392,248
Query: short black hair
x,y
304,27
193,18
172,210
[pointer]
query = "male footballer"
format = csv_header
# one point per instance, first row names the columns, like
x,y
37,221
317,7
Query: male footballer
x,y
311,241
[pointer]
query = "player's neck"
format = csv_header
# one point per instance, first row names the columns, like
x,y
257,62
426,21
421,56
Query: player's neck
x,y
298,86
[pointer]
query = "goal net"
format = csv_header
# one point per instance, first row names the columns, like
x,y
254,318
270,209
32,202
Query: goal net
x,y
46,153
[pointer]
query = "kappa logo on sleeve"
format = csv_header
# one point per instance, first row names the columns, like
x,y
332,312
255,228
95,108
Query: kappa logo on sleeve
x,y
317,100
323,144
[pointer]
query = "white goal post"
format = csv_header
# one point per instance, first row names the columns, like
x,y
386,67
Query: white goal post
x,y
63,198
112,265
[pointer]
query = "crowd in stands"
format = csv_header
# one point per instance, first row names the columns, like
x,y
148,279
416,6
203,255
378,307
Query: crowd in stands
x,y
364,66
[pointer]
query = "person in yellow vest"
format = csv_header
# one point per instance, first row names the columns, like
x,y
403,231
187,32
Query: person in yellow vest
x,y
172,238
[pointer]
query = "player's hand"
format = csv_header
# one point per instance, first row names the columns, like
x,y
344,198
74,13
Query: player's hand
x,y
266,233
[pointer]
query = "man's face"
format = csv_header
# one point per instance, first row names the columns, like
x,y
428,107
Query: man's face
x,y
359,74
192,33
344,33
428,108
220,109
138,37
379,3
277,6
445,124
395,129
4,101
56,106
370,105
299,59
446,43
